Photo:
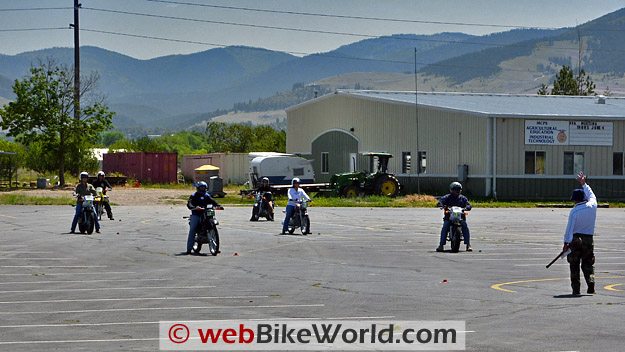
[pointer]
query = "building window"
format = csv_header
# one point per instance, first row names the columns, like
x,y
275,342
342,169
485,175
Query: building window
x,y
422,162
405,162
573,163
568,163
617,164
534,163
578,160
325,162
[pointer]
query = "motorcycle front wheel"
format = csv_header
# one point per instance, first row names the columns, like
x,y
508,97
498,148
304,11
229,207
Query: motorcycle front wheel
x,y
455,239
90,223
213,241
305,225
197,247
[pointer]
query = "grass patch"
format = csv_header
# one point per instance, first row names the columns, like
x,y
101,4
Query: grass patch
x,y
21,199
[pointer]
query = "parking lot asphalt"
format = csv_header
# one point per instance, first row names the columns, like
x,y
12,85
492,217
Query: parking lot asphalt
x,y
108,291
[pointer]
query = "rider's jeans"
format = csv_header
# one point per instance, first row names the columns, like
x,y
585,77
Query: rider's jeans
x,y
194,222
77,216
290,209
465,232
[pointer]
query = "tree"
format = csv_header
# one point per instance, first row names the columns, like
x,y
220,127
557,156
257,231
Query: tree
x,y
567,84
43,113
242,138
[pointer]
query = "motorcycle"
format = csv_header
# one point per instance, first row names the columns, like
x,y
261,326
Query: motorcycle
x,y
455,215
263,206
86,221
99,201
300,218
207,232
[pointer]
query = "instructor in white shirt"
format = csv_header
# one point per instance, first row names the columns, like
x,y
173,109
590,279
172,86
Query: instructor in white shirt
x,y
579,235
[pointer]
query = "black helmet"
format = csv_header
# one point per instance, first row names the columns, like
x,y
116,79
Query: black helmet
x,y
578,195
201,184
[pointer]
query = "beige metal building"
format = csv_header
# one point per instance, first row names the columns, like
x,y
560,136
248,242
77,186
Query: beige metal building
x,y
506,146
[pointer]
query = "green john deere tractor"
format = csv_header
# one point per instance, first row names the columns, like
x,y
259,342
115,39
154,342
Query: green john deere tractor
x,y
379,182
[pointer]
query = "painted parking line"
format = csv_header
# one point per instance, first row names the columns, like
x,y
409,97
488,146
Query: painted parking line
x,y
27,326
74,281
61,274
107,289
523,259
22,258
601,264
73,341
132,299
499,286
164,308
53,266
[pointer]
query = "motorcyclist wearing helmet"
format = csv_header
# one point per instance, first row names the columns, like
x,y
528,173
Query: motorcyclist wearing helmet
x,y
263,190
295,194
454,199
102,182
197,204
82,189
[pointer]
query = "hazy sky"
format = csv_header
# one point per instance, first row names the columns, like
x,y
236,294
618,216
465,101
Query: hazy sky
x,y
527,13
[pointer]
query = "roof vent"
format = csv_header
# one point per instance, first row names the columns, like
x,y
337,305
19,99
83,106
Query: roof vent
x,y
600,99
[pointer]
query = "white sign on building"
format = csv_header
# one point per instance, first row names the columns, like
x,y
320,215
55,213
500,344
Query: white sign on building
x,y
548,132
590,133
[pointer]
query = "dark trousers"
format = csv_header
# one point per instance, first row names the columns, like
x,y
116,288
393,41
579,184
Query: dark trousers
x,y
582,251
107,207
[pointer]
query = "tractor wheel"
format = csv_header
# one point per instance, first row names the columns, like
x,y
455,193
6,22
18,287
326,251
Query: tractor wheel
x,y
387,185
351,191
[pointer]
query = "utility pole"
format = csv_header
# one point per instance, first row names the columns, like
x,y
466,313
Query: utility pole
x,y
416,111
76,148
76,60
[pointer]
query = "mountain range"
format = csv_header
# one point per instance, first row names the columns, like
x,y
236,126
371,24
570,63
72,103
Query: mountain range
x,y
179,89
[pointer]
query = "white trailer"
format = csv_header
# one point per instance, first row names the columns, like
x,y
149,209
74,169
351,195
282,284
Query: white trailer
x,y
281,169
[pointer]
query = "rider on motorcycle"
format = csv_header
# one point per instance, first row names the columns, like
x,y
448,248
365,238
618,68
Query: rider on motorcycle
x,y
82,189
105,185
197,204
261,191
454,199
296,195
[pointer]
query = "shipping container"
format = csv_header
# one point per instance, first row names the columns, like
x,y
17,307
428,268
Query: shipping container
x,y
145,167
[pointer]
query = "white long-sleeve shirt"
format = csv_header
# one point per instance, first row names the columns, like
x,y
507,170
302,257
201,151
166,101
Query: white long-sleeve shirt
x,y
297,195
582,217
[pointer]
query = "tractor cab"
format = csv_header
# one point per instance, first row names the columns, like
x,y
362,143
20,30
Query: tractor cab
x,y
382,161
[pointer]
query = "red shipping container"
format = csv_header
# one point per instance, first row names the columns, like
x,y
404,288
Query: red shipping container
x,y
145,167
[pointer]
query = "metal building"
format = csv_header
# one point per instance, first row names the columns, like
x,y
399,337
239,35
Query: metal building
x,y
505,146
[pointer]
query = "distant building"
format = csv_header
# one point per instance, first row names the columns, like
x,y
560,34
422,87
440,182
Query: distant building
x,y
507,146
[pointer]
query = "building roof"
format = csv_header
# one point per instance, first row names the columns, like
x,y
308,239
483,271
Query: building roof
x,y
500,105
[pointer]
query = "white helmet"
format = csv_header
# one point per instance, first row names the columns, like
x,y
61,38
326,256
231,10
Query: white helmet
x,y
295,180
100,173
84,174
455,186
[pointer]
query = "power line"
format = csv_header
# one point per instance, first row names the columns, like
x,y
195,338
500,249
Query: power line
x,y
36,9
346,16
31,29
361,35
